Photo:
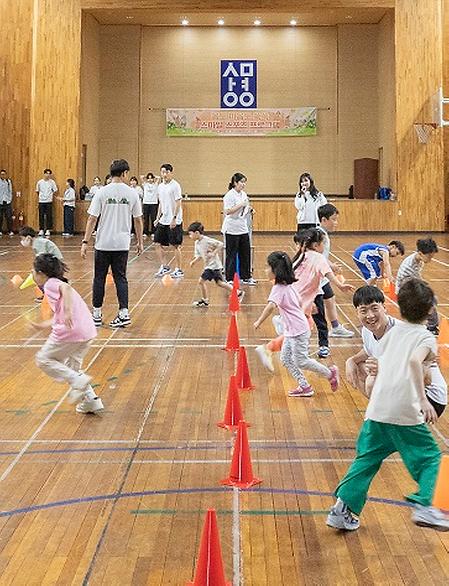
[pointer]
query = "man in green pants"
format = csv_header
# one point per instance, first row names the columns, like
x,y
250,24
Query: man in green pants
x,y
397,416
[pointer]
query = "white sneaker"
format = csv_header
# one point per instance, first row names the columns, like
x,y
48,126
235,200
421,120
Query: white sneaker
x,y
41,233
47,233
163,270
266,357
65,234
430,517
92,406
78,387
341,517
340,332
251,282
278,325
11,234
177,274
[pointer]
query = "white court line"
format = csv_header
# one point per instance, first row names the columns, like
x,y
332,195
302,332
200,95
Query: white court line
x,y
41,426
181,443
237,558
440,262
170,345
215,461
3,253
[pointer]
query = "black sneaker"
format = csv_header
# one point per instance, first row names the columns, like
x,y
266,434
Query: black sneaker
x,y
201,303
120,322
98,320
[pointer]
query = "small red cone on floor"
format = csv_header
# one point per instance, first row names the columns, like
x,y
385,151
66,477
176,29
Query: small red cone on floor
x,y
392,292
241,473
232,341
236,282
233,410
244,382
443,336
209,568
441,494
234,303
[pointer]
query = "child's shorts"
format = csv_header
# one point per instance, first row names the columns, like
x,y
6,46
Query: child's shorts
x,y
368,269
212,275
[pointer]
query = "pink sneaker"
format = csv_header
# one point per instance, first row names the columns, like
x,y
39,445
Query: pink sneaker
x,y
334,378
306,391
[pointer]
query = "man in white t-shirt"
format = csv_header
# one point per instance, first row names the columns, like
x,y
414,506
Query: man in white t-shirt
x,y
369,302
396,418
115,204
168,223
46,188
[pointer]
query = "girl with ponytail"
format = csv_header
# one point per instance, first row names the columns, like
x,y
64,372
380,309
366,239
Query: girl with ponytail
x,y
296,330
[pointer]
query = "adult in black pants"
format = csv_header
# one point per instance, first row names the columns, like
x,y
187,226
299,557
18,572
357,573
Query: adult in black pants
x,y
237,211
6,202
150,202
46,189
115,204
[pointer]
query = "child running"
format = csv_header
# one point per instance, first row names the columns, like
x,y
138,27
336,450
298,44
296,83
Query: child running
x,y
412,267
396,417
40,245
310,267
209,250
72,331
373,260
295,346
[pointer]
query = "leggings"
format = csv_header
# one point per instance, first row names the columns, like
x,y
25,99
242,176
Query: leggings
x,y
295,357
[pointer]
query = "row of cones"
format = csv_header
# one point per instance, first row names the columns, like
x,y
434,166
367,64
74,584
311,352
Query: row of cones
x,y
209,569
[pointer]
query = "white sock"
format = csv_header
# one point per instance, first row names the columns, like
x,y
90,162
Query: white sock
x,y
123,313
89,395
96,311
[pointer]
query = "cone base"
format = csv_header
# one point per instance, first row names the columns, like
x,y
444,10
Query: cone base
x,y
230,349
231,482
194,583
251,388
230,426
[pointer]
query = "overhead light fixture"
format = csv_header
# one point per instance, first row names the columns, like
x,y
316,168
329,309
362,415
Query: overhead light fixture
x,y
220,22
349,17
184,22
293,22
129,17
257,22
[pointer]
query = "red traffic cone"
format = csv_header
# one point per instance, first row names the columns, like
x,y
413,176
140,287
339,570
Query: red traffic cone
x,y
234,303
443,336
209,568
441,494
236,282
232,341
241,473
392,292
233,410
243,377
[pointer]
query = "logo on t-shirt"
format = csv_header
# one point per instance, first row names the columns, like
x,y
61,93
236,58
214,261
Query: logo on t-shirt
x,y
112,200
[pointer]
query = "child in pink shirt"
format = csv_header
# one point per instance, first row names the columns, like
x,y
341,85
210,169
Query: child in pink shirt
x,y
72,331
295,346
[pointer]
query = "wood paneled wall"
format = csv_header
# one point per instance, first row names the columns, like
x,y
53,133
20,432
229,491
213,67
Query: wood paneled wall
x,y
420,168
446,93
234,5
40,99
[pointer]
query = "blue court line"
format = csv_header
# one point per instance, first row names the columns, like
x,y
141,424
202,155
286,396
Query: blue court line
x,y
178,447
123,495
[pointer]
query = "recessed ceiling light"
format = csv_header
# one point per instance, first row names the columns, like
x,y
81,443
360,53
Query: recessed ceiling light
x,y
293,22
257,22
349,16
129,17
184,22
220,21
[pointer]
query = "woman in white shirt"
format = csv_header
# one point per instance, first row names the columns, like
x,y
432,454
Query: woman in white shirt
x,y
68,201
236,210
93,190
307,201
150,202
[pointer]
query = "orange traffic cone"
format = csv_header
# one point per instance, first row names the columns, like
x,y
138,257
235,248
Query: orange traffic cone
x,y
241,473
233,410
46,311
443,336
209,568
236,282
243,377
441,494
232,341
386,286
234,303
392,291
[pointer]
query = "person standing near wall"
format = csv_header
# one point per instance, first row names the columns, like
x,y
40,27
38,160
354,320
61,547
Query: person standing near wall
x,y
307,201
235,228
150,202
46,189
115,204
68,201
6,202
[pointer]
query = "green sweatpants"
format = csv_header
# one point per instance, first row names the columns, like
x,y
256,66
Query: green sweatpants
x,y
377,441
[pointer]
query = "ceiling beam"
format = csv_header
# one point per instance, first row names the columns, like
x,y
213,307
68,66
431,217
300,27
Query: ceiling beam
x,y
227,6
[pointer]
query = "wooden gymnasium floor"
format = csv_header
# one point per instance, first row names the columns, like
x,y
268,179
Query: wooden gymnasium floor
x,y
120,498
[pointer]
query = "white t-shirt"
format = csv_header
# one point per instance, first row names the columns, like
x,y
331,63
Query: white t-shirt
x,y
46,188
437,390
115,204
308,207
394,398
202,247
69,197
168,194
150,193
236,223
326,251
138,190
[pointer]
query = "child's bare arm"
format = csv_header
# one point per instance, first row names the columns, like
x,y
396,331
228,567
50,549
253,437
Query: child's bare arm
x,y
268,310
387,266
419,356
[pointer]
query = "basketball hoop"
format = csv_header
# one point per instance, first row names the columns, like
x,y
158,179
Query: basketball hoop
x,y
424,130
